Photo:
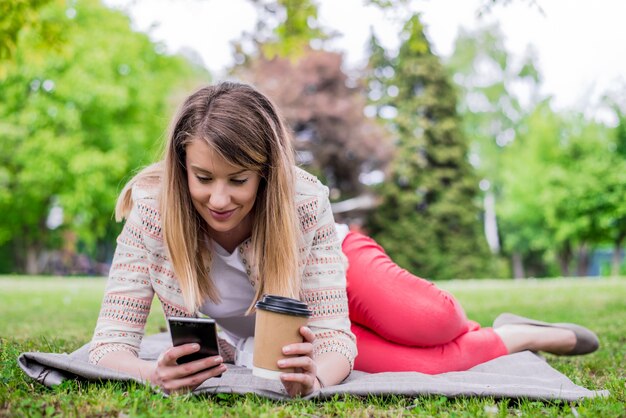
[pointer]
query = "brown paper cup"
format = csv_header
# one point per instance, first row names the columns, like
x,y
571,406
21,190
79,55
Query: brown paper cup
x,y
273,331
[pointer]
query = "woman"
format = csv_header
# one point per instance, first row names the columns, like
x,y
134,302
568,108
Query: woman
x,y
226,217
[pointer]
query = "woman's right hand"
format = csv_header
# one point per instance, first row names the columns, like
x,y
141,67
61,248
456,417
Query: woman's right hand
x,y
172,377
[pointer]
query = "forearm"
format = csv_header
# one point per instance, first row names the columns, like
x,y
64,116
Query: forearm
x,y
126,362
332,368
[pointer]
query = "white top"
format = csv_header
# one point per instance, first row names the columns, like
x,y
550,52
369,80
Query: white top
x,y
236,293
342,231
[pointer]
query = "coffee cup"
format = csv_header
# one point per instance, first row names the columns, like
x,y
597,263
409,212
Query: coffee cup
x,y
277,324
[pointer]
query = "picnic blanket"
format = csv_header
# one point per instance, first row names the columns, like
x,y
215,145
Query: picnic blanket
x,y
519,375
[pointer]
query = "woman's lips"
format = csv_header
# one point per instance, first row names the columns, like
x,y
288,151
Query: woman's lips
x,y
221,216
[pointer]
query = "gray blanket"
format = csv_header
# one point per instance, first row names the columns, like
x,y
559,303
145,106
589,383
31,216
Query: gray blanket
x,y
520,375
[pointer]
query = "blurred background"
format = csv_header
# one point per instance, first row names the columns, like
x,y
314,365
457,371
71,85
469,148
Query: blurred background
x,y
471,139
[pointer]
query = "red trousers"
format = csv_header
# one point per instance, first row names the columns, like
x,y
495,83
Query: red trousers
x,y
405,323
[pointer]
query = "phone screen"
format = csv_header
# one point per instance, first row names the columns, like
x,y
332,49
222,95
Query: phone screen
x,y
194,330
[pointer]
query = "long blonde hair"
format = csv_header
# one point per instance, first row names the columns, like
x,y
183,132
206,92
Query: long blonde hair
x,y
245,128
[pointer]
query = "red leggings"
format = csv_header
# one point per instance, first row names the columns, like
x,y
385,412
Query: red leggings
x,y
405,323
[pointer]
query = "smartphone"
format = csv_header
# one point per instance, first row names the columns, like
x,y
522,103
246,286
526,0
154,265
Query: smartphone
x,y
194,330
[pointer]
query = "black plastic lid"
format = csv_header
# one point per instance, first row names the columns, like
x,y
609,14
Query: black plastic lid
x,y
283,305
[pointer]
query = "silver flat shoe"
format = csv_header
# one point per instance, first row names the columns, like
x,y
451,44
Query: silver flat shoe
x,y
586,340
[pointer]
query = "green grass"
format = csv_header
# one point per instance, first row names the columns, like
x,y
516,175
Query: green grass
x,y
59,314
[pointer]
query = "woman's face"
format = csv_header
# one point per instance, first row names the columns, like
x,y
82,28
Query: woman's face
x,y
222,193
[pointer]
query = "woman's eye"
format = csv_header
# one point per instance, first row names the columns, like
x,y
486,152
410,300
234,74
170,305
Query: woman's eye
x,y
203,179
239,181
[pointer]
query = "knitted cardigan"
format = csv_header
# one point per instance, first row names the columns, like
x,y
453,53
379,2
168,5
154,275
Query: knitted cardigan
x,y
141,269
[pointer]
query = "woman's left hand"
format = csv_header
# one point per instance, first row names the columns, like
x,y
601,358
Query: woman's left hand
x,y
304,380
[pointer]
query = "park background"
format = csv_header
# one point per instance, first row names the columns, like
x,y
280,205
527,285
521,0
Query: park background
x,y
464,166
465,156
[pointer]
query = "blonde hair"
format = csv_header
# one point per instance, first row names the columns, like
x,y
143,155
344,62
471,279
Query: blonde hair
x,y
244,127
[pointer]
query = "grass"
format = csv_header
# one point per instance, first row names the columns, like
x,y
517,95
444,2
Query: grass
x,y
58,315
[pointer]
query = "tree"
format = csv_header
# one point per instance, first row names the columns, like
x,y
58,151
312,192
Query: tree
x,y
522,220
579,201
75,122
617,214
429,221
487,5
616,101
284,29
325,109
15,16
560,180
490,83
322,104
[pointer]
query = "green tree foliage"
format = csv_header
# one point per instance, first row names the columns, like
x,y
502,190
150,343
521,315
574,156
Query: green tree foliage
x,y
16,15
486,6
496,93
563,187
75,122
323,105
489,82
429,221
617,216
378,75
286,28
617,205
333,137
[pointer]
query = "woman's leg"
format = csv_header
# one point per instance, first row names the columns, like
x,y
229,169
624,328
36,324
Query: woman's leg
x,y
528,337
476,346
404,323
396,304
379,355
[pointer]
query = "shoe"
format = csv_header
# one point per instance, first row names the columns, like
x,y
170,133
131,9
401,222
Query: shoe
x,y
586,341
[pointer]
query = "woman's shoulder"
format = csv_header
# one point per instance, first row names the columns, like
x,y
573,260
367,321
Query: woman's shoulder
x,y
311,201
308,185
147,189
145,212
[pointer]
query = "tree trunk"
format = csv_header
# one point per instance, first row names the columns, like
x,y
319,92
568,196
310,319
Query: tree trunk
x,y
616,261
518,266
583,261
564,265
565,257
491,223
32,262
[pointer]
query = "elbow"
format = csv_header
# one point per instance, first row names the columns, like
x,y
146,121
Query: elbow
x,y
98,351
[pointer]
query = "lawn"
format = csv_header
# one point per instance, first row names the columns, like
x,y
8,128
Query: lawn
x,y
59,314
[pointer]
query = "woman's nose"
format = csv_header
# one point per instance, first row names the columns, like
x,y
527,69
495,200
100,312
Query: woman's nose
x,y
219,198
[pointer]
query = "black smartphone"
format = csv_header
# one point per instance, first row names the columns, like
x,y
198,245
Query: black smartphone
x,y
194,330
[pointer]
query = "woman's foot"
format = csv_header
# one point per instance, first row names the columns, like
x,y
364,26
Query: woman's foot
x,y
519,333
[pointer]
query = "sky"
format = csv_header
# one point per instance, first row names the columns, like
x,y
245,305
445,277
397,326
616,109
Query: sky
x,y
580,44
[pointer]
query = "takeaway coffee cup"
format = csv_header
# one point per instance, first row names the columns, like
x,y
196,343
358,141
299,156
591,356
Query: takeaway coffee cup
x,y
277,324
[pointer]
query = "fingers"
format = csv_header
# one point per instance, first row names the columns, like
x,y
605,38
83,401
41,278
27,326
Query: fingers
x,y
171,376
293,380
196,366
302,349
302,381
307,334
169,357
193,381
303,362
299,349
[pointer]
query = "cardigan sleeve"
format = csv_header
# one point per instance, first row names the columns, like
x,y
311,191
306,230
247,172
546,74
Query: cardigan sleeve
x,y
324,283
129,293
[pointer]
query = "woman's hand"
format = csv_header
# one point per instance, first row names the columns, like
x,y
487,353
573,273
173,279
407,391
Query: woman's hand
x,y
304,380
172,377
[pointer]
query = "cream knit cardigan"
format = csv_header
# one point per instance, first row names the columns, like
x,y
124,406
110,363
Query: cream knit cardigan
x,y
141,269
